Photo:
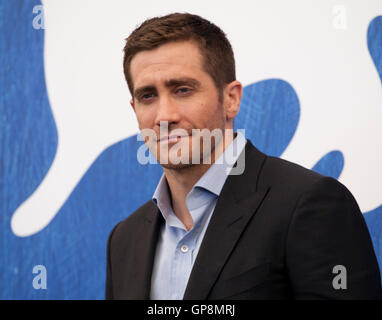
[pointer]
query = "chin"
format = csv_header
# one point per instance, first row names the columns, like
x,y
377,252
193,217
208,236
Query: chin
x,y
178,166
178,163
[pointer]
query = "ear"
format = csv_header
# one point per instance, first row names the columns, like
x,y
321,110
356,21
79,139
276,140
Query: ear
x,y
132,104
232,97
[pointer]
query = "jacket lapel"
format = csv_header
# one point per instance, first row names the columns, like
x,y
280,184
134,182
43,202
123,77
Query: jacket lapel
x,y
237,203
141,263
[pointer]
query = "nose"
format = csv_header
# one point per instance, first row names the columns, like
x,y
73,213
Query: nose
x,y
167,110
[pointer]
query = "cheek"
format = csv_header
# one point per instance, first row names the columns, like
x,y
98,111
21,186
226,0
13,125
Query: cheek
x,y
145,119
207,108
212,114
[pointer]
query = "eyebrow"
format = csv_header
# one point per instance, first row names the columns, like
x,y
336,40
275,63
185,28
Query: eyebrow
x,y
182,81
169,84
142,90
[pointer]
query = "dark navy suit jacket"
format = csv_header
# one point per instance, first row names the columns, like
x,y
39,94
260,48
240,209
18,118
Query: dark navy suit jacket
x,y
277,232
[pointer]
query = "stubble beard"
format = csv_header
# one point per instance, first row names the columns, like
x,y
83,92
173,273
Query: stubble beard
x,y
200,154
190,163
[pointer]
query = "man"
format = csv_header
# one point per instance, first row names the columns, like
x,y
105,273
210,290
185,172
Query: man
x,y
276,231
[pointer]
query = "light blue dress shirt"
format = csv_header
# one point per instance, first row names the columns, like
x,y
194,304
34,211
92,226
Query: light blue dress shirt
x,y
177,248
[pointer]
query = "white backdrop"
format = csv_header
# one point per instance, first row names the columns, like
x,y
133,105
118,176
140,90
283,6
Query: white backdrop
x,y
68,169
319,47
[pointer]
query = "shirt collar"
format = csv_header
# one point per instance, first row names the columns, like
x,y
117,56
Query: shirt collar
x,y
213,180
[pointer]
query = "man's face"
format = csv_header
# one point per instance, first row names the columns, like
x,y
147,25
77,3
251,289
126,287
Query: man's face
x,y
171,86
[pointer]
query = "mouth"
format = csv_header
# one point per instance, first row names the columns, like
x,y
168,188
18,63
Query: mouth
x,y
171,138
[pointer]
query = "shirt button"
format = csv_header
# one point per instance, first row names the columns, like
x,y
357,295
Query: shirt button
x,y
184,248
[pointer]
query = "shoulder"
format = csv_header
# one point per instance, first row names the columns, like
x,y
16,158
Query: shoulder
x,y
272,171
312,201
291,178
124,228
291,184
284,174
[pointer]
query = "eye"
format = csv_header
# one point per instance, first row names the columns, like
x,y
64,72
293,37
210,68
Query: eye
x,y
147,96
183,90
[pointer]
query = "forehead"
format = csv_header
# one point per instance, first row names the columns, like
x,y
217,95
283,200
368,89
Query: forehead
x,y
174,59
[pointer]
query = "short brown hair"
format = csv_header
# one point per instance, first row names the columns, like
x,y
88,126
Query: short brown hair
x,y
218,58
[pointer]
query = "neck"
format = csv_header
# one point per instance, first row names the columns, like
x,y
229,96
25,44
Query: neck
x,y
181,181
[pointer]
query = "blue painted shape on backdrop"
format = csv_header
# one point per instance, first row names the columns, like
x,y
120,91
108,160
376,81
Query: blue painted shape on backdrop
x,y
374,43
331,164
374,223
269,113
114,186
374,217
26,150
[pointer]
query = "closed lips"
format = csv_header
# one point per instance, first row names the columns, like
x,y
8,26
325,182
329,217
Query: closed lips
x,y
172,137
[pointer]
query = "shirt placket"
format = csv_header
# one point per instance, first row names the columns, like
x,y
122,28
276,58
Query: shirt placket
x,y
182,263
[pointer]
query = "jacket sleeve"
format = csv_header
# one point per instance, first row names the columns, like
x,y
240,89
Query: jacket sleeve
x,y
109,282
329,252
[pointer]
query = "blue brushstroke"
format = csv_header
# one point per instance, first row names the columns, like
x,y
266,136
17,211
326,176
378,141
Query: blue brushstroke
x,y
374,43
28,140
269,113
374,222
331,164
374,217
114,186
